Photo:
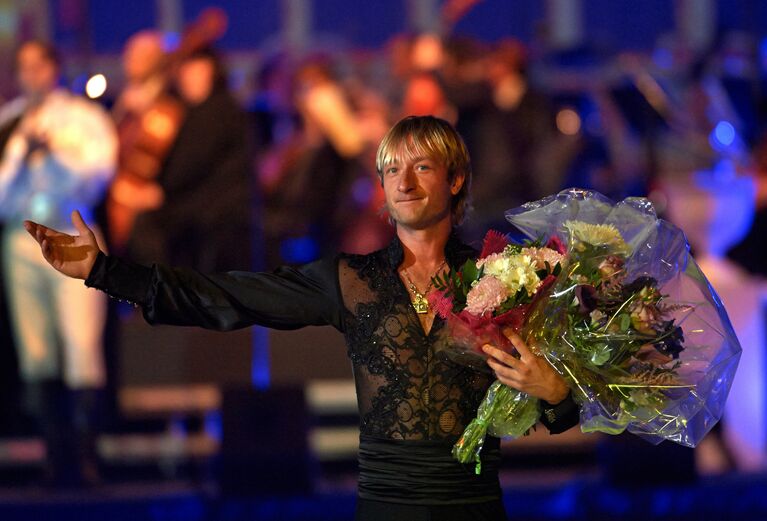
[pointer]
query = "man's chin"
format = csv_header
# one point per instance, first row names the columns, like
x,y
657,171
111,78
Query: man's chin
x,y
415,223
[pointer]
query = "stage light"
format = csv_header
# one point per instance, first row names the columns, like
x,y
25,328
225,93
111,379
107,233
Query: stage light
x,y
96,86
170,41
568,122
724,133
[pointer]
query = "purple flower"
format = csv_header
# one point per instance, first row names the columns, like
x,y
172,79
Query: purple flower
x,y
586,295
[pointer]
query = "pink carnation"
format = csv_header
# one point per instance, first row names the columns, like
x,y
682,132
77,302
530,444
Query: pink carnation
x,y
486,295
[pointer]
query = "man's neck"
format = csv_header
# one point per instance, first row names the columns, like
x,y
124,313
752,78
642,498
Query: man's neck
x,y
424,250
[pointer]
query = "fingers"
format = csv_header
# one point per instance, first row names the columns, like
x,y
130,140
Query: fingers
x,y
503,371
520,345
39,231
79,223
500,355
31,228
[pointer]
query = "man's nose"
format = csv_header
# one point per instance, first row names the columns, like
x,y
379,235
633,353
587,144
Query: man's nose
x,y
406,180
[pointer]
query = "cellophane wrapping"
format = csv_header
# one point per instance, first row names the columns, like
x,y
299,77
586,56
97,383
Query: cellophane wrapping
x,y
629,321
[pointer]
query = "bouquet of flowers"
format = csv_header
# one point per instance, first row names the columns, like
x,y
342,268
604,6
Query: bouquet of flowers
x,y
493,293
621,311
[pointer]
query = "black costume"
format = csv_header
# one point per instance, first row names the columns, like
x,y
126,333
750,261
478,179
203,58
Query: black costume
x,y
413,401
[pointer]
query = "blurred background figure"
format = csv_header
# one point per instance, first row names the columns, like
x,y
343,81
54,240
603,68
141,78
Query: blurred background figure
x,y
205,219
751,251
512,136
715,208
319,160
149,115
59,157
147,119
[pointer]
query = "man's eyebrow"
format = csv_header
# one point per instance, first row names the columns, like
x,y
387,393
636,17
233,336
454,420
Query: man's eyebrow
x,y
414,159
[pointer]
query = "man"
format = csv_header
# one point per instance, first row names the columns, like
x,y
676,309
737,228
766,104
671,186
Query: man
x,y
58,158
414,402
211,154
147,120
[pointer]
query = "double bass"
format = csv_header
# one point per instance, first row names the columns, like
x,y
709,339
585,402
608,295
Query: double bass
x,y
146,137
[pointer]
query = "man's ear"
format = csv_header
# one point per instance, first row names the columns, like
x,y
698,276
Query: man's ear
x,y
457,183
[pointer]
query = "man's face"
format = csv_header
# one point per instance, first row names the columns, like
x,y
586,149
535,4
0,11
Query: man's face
x,y
418,191
142,54
195,80
36,73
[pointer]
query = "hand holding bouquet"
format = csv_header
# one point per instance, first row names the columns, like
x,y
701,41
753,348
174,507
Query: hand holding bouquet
x,y
485,303
629,320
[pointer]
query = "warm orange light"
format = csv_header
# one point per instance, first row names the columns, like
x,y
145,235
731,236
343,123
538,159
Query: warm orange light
x,y
568,122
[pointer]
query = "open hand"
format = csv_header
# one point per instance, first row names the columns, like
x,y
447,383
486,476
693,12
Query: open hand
x,y
529,373
73,256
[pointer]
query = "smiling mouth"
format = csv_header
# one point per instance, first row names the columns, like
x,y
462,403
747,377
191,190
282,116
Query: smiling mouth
x,y
409,200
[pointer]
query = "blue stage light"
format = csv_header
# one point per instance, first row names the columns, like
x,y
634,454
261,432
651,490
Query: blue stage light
x,y
170,41
724,134
299,250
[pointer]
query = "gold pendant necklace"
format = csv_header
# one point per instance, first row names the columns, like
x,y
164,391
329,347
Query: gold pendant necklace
x,y
420,303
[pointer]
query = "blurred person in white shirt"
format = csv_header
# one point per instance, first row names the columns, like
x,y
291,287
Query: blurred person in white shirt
x,y
60,157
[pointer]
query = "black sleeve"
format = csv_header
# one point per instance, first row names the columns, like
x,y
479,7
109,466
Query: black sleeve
x,y
560,417
288,298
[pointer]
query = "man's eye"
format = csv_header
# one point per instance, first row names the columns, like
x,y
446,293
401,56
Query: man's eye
x,y
423,167
391,170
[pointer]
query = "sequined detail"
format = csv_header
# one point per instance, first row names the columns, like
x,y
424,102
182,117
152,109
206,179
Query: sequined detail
x,y
447,421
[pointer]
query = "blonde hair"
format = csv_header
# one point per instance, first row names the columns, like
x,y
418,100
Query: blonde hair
x,y
435,138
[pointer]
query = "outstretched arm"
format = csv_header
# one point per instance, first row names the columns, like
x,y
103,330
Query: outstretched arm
x,y
287,298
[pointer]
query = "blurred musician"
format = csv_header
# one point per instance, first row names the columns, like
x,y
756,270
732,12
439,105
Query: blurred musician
x,y
59,157
205,219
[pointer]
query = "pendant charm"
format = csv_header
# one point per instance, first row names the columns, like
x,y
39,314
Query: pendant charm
x,y
425,396
421,305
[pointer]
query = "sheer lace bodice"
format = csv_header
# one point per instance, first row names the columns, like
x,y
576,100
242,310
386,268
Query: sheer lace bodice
x,y
406,387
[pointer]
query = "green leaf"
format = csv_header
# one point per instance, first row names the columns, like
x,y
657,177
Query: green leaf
x,y
469,272
625,322
600,354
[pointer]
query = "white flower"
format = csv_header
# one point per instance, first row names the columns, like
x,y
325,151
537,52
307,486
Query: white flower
x,y
514,271
596,317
